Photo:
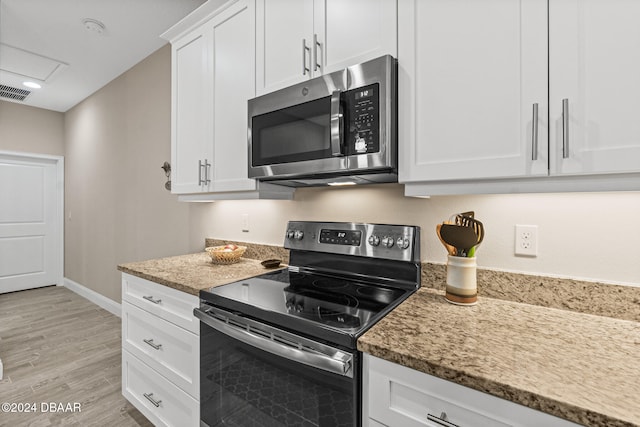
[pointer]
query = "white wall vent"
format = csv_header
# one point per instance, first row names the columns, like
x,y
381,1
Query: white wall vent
x,y
13,93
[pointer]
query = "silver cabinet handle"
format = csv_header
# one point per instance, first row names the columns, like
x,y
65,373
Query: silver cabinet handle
x,y
442,420
152,344
207,166
150,398
305,49
316,47
336,125
150,298
565,128
534,133
200,180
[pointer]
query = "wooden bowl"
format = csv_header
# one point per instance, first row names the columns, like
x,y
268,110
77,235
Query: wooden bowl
x,y
271,263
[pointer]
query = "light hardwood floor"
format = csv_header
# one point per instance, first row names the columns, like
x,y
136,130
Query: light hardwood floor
x,y
58,347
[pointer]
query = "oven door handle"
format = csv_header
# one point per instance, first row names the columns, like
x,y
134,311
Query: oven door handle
x,y
341,366
336,125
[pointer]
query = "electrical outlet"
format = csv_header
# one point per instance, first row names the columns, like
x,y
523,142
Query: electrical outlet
x,y
526,240
245,223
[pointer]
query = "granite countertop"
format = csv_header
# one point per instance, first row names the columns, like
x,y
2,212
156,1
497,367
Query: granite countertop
x,y
550,356
581,367
194,272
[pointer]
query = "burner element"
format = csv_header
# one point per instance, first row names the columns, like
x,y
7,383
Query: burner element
x,y
376,293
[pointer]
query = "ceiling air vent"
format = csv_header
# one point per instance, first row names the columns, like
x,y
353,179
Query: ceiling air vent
x,y
13,93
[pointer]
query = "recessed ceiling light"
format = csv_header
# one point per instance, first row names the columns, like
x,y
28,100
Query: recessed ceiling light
x,y
32,85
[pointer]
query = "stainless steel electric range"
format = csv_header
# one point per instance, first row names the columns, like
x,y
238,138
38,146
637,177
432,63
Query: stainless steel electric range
x,y
279,349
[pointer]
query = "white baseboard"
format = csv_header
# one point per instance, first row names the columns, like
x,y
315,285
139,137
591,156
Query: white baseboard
x,y
107,303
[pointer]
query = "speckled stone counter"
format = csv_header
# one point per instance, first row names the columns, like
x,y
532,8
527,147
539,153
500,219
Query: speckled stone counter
x,y
618,301
576,366
550,356
194,272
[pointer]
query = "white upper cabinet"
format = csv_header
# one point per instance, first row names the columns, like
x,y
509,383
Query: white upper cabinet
x,y
191,143
284,31
233,85
213,77
300,39
594,60
355,31
472,89
503,96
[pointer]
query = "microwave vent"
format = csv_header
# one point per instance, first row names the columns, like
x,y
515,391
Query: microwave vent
x,y
13,93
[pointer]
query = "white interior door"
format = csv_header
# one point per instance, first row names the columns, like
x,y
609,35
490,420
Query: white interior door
x,y
30,222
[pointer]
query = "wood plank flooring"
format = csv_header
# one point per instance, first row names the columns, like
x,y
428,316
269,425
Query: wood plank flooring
x,y
57,347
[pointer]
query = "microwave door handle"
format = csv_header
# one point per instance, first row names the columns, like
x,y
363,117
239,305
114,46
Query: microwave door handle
x,y
336,124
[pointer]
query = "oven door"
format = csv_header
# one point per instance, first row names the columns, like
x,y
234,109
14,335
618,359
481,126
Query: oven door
x,y
252,374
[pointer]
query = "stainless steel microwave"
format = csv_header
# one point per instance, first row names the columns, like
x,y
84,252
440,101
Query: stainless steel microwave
x,y
339,128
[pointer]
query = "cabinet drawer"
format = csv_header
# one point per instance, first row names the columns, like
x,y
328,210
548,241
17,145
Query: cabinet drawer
x,y
400,396
160,401
397,400
167,303
167,348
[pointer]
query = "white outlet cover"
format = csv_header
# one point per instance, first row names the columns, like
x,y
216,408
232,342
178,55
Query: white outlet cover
x,y
245,223
526,240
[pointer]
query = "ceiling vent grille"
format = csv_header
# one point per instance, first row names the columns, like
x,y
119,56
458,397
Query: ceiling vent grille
x,y
13,93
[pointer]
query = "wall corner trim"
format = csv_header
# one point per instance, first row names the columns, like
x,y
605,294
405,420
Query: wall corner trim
x,y
100,300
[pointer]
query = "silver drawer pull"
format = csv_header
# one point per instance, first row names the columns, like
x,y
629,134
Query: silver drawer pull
x,y
152,344
150,398
442,420
150,298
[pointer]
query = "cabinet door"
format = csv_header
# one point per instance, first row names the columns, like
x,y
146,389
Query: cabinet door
x,y
469,76
234,84
595,65
191,96
354,31
400,396
282,26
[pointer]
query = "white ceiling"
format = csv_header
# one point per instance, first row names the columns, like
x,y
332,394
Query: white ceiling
x,y
47,40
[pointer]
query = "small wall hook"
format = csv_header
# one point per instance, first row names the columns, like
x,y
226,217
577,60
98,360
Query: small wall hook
x,y
167,171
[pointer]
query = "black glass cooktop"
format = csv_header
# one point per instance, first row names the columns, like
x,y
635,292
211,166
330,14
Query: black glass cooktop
x,y
337,309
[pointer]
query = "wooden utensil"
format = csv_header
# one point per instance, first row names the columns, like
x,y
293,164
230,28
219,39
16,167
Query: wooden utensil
x,y
450,249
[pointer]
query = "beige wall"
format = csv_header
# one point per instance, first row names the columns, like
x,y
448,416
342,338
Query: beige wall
x,y
592,236
31,130
117,209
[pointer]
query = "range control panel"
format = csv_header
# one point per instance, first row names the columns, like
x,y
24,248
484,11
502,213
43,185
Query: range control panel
x,y
341,237
398,242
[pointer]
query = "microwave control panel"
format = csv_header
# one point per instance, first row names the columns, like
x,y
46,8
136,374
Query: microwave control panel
x,y
363,118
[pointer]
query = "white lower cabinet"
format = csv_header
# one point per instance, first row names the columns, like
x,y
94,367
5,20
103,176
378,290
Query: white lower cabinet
x,y
397,396
160,352
161,401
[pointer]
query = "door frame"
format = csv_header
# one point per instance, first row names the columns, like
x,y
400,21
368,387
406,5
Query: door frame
x,y
59,209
